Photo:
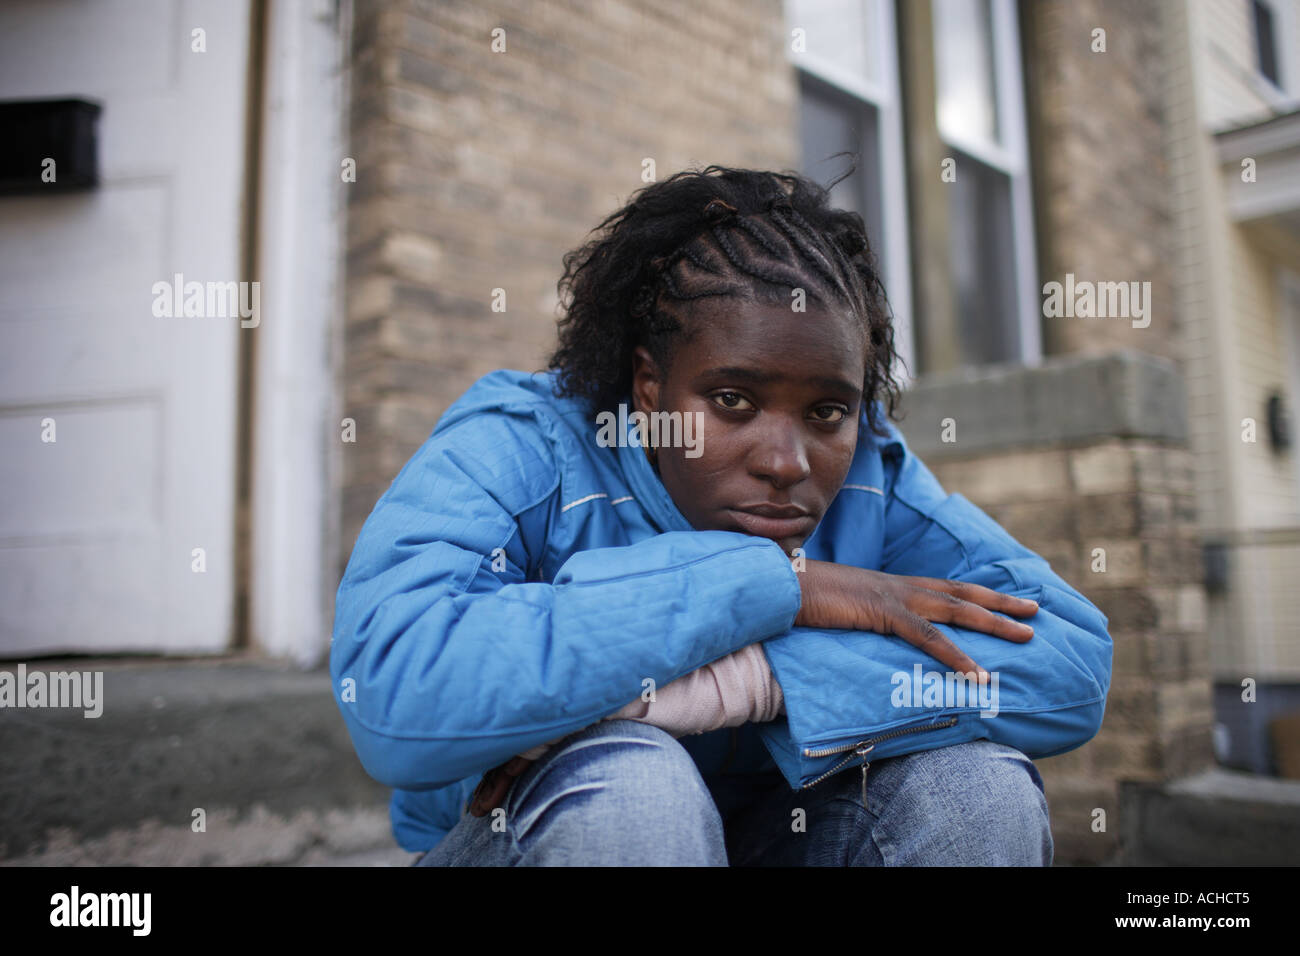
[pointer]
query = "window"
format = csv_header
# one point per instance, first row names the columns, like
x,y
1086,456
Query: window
x,y
1265,42
829,123
846,55
981,120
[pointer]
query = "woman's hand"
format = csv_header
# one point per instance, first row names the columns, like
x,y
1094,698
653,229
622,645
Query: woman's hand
x,y
842,596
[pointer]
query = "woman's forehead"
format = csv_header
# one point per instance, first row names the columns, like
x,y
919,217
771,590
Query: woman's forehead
x,y
733,332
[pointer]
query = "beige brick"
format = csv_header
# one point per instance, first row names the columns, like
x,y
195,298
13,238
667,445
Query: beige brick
x,y
1184,704
1030,522
1076,763
1107,516
1124,564
1166,600
1171,560
1018,477
1161,469
1122,755
1063,559
1191,608
1102,469
1155,513
412,256
1073,803
1188,750
1167,656
369,296
1132,707
1129,653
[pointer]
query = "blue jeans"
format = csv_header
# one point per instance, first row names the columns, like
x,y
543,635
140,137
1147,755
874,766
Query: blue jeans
x,y
624,793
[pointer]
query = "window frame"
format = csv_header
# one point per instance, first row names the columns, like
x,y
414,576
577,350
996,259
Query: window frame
x,y
1011,157
885,95
1283,96
1275,22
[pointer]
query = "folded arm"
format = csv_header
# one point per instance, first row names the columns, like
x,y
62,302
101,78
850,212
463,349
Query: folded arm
x,y
444,667
840,685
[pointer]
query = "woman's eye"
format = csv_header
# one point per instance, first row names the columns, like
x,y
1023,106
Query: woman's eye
x,y
731,400
833,413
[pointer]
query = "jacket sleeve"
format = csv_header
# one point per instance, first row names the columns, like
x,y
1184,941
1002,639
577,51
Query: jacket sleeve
x,y
841,686
450,654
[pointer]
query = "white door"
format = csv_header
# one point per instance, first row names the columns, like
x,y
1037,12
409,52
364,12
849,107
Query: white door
x,y
101,528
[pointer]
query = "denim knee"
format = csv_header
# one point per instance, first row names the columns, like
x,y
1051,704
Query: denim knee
x,y
621,792
1002,796
977,803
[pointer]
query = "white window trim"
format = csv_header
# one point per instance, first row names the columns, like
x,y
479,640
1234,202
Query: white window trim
x,y
1284,95
886,97
1011,104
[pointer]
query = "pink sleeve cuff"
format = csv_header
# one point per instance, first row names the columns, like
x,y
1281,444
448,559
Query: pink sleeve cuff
x,y
733,690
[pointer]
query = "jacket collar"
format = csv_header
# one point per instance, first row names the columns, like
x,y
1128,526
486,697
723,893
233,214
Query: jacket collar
x,y
645,484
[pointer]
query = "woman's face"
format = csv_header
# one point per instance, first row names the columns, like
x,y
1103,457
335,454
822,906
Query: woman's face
x,y
778,394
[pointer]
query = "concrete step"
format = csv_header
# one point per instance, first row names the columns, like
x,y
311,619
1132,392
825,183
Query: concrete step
x,y
212,761
1215,818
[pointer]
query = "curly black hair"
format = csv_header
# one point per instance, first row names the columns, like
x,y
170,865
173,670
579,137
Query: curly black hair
x,y
743,233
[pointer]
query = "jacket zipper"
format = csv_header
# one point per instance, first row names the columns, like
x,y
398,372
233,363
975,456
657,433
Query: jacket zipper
x,y
862,749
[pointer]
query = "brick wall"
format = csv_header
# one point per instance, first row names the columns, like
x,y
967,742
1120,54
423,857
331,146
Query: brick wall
x,y
1134,500
478,170
1101,189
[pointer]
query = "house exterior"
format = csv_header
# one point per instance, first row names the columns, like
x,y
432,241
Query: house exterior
x,y
1236,173
1093,301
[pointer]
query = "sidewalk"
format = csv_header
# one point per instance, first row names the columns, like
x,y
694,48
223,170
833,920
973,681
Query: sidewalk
x,y
229,761
193,762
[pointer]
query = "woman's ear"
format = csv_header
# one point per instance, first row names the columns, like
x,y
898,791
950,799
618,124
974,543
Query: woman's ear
x,y
646,381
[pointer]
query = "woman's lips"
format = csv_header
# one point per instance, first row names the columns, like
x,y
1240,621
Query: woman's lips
x,y
766,526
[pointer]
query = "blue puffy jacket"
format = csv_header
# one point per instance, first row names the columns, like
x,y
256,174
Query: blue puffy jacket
x,y
518,581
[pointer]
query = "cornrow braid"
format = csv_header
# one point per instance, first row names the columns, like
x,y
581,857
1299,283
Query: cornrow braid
x,y
720,232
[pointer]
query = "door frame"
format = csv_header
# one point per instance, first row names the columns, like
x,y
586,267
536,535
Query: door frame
x,y
295,408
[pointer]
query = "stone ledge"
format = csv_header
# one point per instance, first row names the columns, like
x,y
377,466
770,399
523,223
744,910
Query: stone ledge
x,y
1067,399
229,735
1215,818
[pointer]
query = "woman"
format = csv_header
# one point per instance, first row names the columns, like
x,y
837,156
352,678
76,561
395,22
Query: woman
x,y
738,561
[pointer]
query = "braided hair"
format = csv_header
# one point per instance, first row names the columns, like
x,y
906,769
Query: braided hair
x,y
746,234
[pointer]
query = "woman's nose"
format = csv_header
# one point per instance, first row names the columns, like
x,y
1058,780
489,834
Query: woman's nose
x,y
780,457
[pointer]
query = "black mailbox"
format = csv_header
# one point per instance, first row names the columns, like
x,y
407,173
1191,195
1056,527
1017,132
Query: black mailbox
x,y
36,132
